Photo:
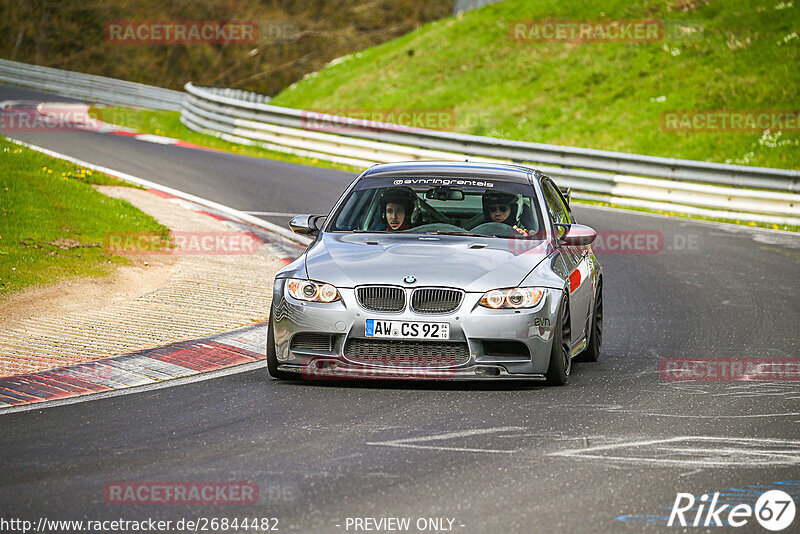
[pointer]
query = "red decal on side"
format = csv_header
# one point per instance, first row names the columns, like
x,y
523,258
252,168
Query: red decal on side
x,y
574,280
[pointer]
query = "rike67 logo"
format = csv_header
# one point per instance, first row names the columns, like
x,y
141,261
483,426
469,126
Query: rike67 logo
x,y
774,510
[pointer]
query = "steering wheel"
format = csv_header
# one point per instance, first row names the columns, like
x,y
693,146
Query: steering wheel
x,y
432,213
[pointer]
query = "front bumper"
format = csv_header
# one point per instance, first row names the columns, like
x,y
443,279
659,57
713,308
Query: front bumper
x,y
331,369
471,325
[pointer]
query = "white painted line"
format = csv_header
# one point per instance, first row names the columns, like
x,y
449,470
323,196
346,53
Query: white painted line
x,y
745,416
672,440
735,452
232,212
271,213
412,443
158,139
737,462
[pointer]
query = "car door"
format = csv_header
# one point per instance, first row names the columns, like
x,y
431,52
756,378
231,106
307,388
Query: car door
x,y
577,262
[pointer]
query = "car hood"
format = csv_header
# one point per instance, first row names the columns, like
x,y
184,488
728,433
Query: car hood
x,y
469,263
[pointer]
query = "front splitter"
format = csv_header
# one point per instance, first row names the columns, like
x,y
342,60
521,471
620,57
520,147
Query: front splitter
x,y
335,369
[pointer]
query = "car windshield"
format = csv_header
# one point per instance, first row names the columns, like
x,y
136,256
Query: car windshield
x,y
486,208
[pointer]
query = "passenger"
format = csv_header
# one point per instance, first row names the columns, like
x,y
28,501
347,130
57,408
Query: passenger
x,y
501,207
397,207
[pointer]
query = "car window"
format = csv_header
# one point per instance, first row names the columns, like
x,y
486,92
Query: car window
x,y
496,208
555,204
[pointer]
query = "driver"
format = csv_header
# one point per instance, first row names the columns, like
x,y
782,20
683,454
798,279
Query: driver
x,y
397,206
502,207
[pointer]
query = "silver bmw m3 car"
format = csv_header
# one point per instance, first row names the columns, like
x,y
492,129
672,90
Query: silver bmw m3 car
x,y
440,270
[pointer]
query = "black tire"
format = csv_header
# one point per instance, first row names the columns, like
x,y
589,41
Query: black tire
x,y
272,359
560,358
592,352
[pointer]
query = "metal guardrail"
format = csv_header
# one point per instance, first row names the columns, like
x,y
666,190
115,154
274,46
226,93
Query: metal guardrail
x,y
89,87
695,187
472,145
461,6
758,194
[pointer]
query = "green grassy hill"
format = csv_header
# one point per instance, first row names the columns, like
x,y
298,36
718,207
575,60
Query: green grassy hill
x,y
294,37
599,95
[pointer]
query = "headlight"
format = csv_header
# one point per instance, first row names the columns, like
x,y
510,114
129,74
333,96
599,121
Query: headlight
x,y
516,297
312,291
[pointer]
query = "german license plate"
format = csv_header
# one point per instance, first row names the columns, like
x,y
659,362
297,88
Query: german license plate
x,y
407,329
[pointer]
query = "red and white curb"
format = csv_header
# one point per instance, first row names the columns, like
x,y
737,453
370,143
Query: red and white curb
x,y
187,360
140,368
25,116
149,138
79,116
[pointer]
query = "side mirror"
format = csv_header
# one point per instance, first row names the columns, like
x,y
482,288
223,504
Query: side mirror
x,y
305,224
575,235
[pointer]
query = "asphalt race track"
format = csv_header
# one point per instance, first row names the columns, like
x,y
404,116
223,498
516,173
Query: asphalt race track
x,y
607,453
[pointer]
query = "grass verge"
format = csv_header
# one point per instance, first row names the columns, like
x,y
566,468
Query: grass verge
x,y
53,224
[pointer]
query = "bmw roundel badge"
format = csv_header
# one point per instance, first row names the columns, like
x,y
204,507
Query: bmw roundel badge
x,y
410,279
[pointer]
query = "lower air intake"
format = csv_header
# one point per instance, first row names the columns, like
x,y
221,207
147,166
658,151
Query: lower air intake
x,y
427,354
313,341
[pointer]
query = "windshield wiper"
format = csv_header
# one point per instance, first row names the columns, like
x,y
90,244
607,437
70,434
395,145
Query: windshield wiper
x,y
453,232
